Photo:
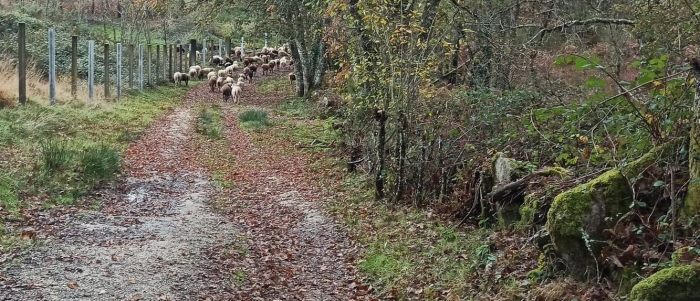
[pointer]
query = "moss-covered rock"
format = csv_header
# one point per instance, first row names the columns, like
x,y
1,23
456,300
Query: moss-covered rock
x,y
528,210
685,256
592,207
677,283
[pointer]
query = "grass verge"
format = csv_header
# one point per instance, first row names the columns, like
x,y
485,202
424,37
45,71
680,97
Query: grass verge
x,y
53,155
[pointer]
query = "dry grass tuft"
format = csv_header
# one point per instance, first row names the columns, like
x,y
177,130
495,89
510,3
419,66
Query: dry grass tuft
x,y
6,100
38,87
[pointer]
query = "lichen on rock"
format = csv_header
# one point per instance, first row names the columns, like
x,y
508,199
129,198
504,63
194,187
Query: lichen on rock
x,y
503,168
677,283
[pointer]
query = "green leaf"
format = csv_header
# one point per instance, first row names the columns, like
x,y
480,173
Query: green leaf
x,y
659,183
594,82
641,204
581,63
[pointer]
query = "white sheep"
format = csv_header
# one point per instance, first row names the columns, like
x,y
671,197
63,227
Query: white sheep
x,y
220,82
230,70
180,77
212,83
236,92
177,78
221,73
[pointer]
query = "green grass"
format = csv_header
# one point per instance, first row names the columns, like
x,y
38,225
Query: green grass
x,y
314,134
295,107
209,122
54,155
99,163
254,119
275,86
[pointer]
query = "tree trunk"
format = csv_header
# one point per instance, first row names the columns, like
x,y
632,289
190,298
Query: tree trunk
x,y
362,39
429,14
482,68
381,117
458,33
691,205
298,72
320,63
401,154
305,63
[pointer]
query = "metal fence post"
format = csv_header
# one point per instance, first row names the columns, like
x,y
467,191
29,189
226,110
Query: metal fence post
x,y
119,71
91,69
22,66
74,67
106,75
52,66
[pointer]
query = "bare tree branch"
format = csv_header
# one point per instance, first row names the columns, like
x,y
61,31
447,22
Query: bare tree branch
x,y
582,23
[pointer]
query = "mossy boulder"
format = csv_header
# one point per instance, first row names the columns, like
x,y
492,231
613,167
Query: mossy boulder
x,y
588,209
677,284
528,210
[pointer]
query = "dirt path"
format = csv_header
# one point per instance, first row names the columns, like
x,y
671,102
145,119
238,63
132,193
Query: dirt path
x,y
156,236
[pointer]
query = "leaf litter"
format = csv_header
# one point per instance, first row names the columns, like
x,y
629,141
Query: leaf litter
x,y
156,236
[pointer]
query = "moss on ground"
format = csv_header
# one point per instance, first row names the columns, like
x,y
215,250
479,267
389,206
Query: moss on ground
x,y
677,283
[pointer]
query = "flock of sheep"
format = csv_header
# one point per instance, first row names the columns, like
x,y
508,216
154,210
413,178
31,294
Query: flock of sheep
x,y
221,75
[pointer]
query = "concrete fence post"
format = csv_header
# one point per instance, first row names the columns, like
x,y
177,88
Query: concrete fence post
x,y
157,65
170,61
228,47
204,53
193,53
140,67
242,47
